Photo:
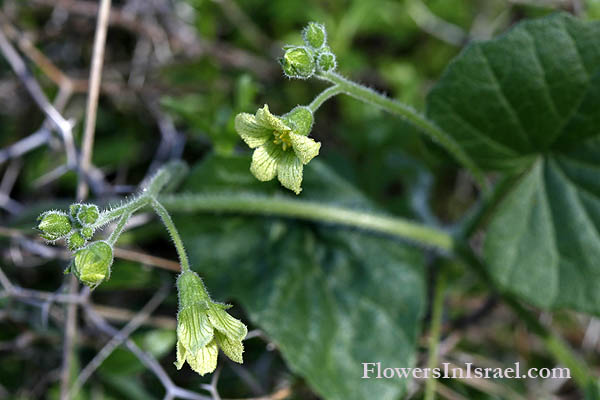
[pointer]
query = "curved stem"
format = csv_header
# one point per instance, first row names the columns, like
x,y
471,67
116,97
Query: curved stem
x,y
162,181
313,211
114,236
131,207
409,114
324,96
168,222
438,239
435,332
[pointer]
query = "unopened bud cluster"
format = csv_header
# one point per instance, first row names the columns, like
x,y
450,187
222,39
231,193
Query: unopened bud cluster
x,y
91,263
302,62
76,227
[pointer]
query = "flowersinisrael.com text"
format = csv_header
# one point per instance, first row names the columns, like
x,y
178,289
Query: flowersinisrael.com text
x,y
374,370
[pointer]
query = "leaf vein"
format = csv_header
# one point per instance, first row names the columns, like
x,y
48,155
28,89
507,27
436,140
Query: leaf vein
x,y
502,96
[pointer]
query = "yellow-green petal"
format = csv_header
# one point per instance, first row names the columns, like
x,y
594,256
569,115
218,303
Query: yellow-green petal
x,y
289,172
194,329
233,328
253,133
264,162
232,348
305,148
266,119
204,361
181,353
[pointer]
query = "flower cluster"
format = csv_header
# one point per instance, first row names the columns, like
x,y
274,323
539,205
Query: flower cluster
x,y
77,227
203,326
91,264
281,143
301,62
282,146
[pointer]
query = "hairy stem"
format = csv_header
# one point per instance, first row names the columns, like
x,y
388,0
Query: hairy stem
x,y
438,239
119,228
435,332
134,205
325,95
253,204
168,222
163,181
367,95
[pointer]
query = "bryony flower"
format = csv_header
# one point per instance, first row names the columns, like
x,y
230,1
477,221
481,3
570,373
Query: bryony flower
x,y
282,144
203,326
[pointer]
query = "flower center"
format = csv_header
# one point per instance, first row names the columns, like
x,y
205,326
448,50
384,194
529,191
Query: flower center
x,y
282,138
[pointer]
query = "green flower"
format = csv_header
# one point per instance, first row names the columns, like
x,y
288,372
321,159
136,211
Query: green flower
x,y
204,326
282,144
75,241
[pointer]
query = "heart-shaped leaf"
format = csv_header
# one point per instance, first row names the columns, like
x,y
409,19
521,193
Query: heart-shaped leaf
x,y
544,240
527,103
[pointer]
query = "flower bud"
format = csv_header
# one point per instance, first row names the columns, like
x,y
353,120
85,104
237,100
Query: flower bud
x,y
87,214
75,241
326,61
54,225
87,232
74,209
314,35
92,263
298,62
300,119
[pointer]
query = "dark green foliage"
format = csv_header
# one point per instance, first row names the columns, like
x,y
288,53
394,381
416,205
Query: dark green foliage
x,y
537,90
330,299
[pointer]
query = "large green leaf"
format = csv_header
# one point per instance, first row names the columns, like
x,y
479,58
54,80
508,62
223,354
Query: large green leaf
x,y
544,241
530,91
329,298
527,103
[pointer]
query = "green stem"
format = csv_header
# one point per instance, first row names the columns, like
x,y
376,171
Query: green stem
x,y
163,181
324,96
482,212
555,345
367,95
168,222
313,211
318,212
435,332
114,236
116,212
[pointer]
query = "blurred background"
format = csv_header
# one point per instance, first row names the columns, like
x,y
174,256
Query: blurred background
x,y
175,74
